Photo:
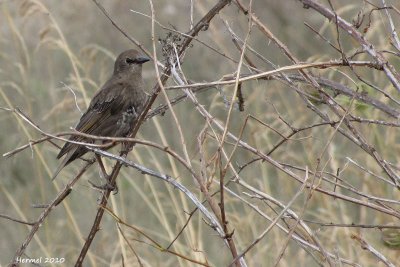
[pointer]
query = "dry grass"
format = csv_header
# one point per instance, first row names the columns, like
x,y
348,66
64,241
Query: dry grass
x,y
49,50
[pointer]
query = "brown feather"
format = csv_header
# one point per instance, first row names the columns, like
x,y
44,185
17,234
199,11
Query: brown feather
x,y
114,108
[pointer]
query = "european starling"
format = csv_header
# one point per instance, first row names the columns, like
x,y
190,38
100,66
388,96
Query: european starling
x,y
114,108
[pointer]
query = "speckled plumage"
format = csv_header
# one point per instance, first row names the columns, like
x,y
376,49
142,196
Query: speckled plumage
x,y
114,108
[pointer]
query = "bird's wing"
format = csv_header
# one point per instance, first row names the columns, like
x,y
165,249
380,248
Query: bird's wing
x,y
104,104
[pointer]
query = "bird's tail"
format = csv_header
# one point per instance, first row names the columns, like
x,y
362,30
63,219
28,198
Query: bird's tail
x,y
61,166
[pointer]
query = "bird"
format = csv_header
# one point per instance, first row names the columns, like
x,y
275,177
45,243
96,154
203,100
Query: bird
x,y
114,109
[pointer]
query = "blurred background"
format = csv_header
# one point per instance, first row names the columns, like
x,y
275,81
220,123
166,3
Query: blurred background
x,y
54,55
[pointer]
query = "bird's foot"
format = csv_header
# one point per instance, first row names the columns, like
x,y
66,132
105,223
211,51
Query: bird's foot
x,y
106,186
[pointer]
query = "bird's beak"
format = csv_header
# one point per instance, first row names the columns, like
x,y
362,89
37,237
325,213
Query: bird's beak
x,y
142,59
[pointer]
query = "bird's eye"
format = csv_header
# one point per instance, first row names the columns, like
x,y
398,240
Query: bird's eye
x,y
129,60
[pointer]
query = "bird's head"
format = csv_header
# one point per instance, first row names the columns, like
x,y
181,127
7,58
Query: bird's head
x,y
130,61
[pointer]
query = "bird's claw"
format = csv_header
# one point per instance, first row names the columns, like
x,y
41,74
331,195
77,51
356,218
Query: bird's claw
x,y
114,188
106,186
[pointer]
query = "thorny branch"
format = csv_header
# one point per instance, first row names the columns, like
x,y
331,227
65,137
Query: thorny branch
x,y
114,174
222,178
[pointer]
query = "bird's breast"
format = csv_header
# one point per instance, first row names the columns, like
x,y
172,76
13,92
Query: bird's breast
x,y
126,120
